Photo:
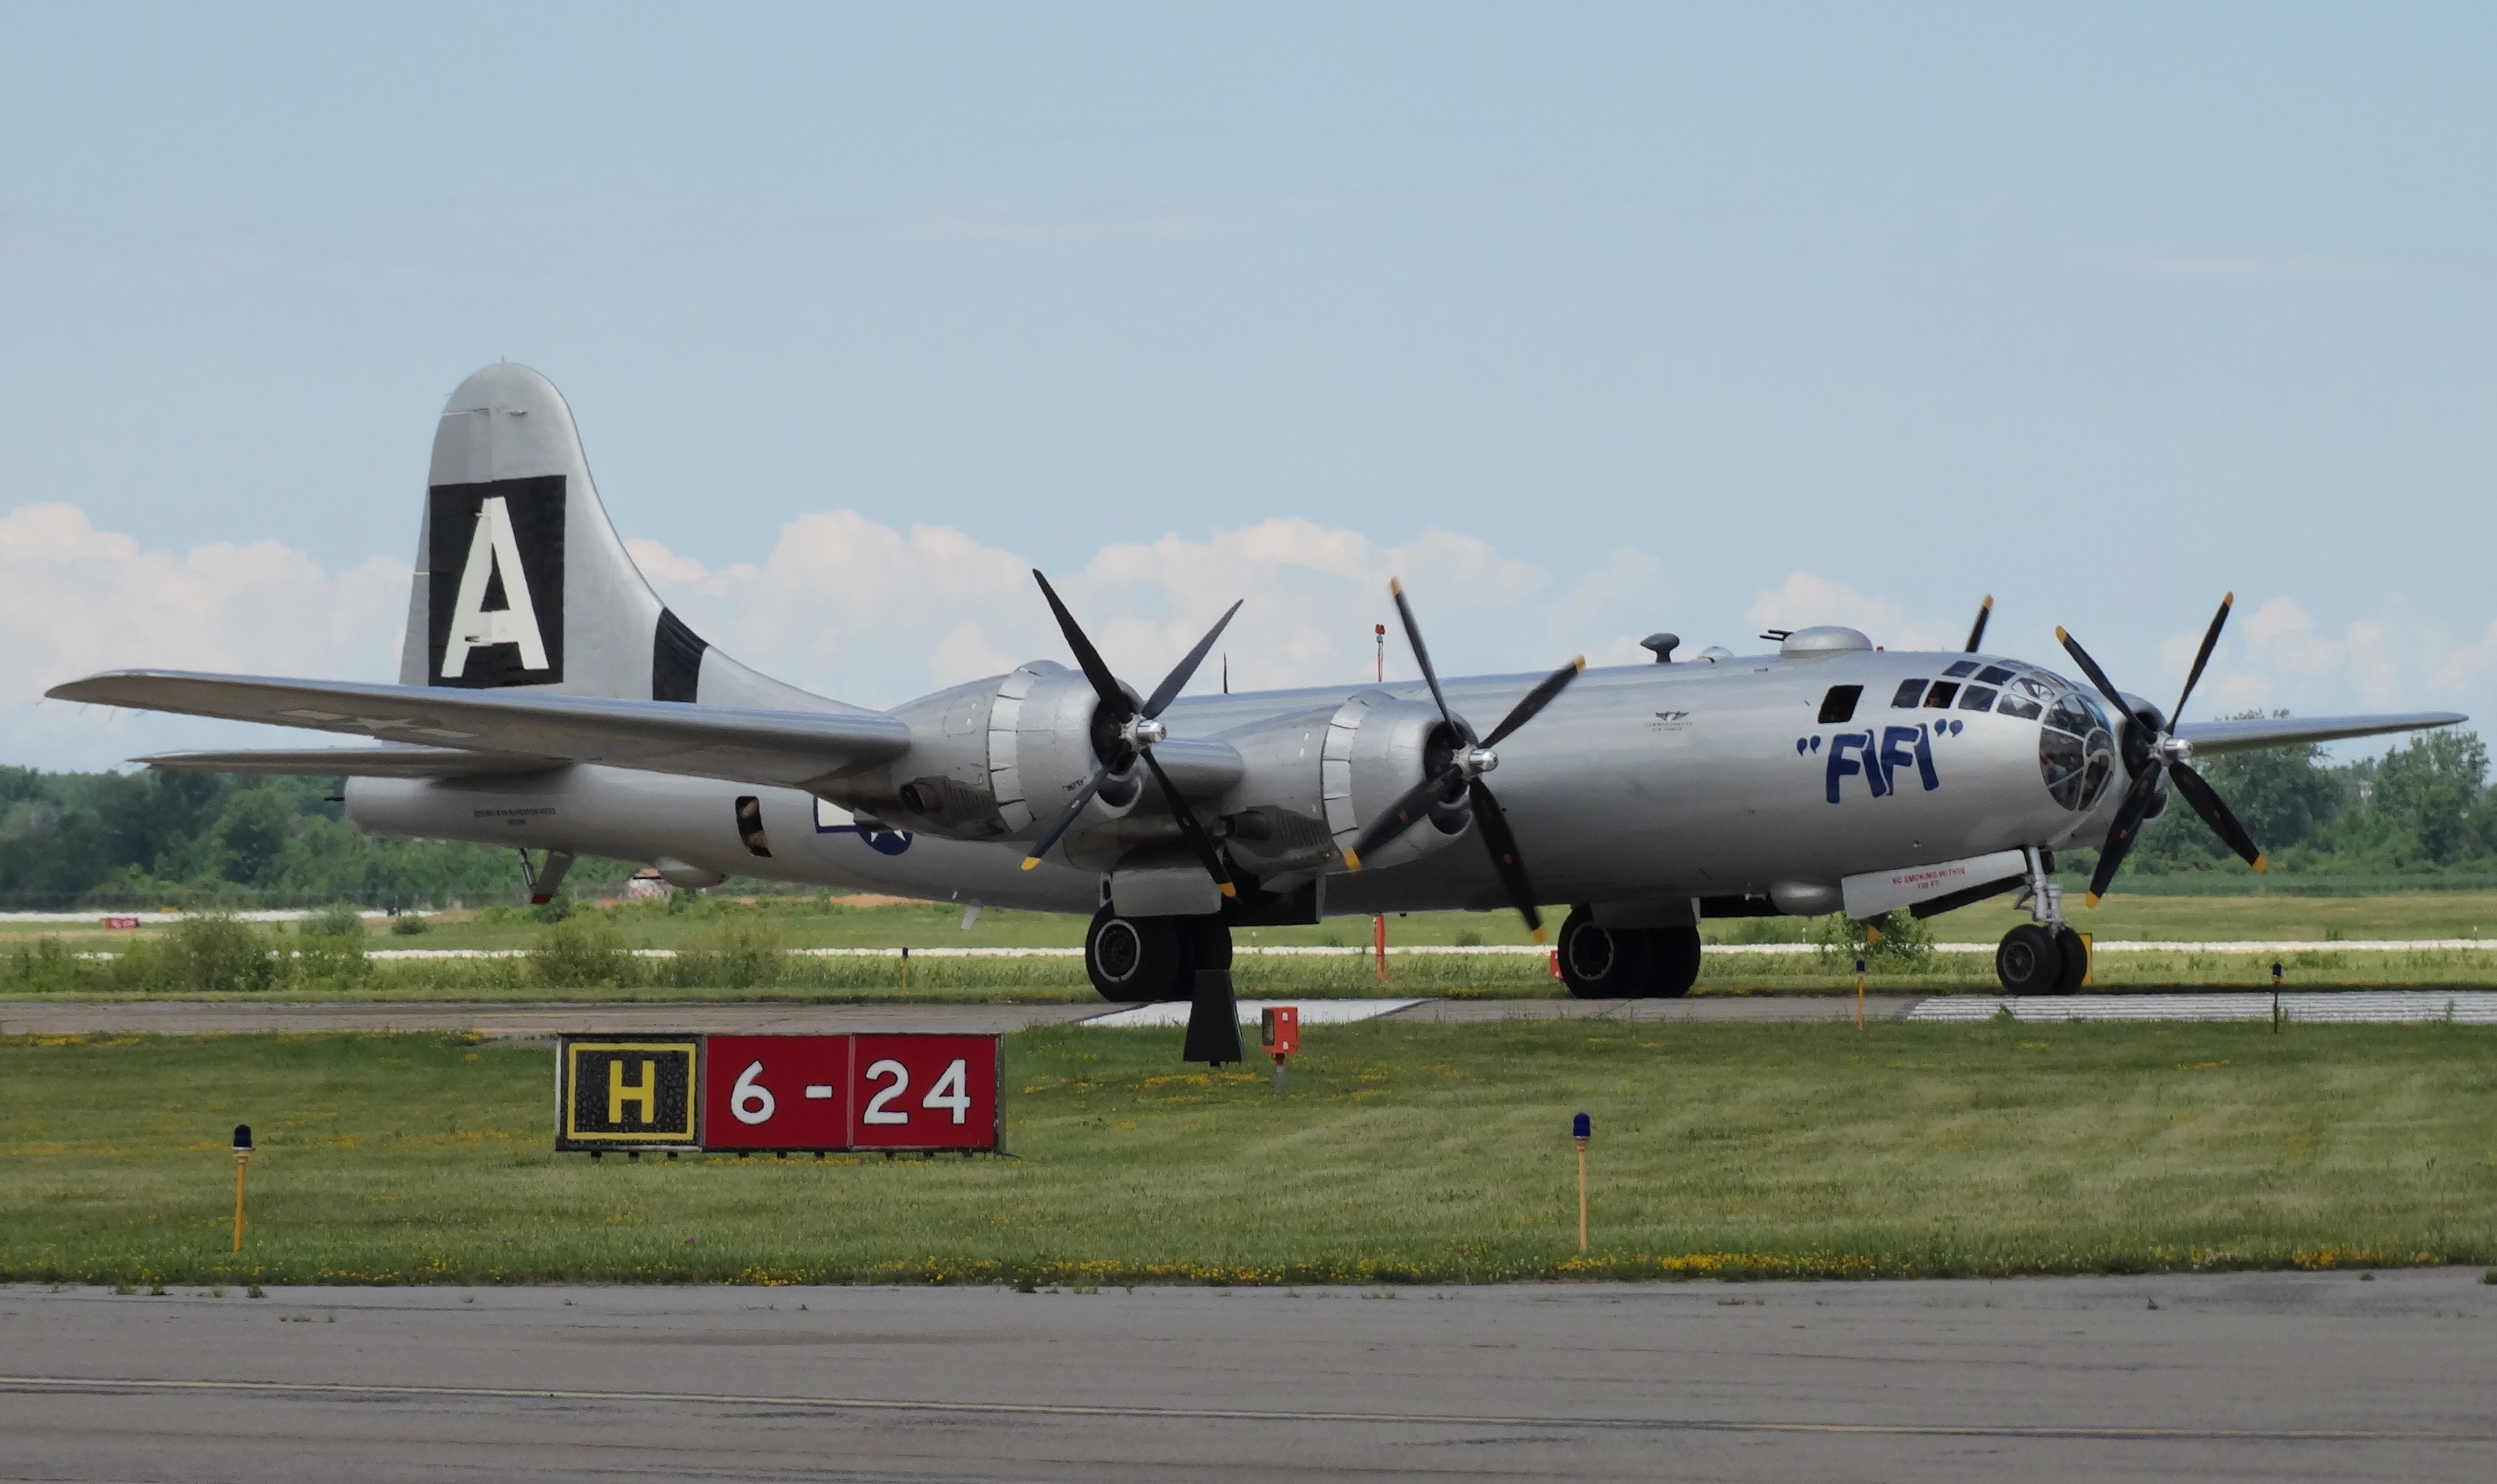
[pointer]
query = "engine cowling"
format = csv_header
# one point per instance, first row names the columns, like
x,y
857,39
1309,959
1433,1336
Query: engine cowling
x,y
1313,781
991,759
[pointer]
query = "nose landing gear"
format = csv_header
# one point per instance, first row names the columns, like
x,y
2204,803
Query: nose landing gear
x,y
2047,955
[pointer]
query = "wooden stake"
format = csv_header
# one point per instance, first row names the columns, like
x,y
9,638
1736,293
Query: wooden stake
x,y
1582,1197
241,1160
1379,943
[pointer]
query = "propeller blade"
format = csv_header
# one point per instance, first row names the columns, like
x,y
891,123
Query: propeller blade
x,y
1537,700
1401,816
2090,668
2128,824
1422,658
1104,684
1505,858
2206,803
1976,634
2203,656
1197,840
1066,816
1177,680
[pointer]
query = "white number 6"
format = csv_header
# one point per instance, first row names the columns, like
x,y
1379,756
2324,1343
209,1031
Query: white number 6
x,y
877,1112
751,1100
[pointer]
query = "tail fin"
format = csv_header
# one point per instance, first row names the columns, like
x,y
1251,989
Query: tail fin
x,y
521,580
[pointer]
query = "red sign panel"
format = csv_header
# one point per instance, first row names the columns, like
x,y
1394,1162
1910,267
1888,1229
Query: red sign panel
x,y
925,1092
776,1093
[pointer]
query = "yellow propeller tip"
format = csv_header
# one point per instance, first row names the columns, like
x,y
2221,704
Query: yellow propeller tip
x,y
2227,600
2060,636
1351,862
2262,863
2093,900
1579,664
1228,890
1030,861
1988,604
1537,935
1395,585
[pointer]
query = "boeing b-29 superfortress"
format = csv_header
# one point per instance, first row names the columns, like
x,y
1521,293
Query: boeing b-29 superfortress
x,y
548,700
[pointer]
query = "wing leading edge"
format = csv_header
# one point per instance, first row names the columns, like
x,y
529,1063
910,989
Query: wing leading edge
x,y
509,730
2215,737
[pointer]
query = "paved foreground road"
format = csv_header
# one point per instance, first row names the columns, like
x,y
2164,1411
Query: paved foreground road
x,y
2244,1377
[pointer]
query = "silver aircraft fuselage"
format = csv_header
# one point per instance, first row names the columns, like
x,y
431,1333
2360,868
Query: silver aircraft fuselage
x,y
1639,783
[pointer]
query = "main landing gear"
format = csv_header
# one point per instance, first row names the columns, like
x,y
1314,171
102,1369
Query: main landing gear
x,y
1626,962
1138,959
2045,956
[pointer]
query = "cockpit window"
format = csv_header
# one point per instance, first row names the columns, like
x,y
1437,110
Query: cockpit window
x,y
1958,667
1977,699
2037,687
1993,674
2021,707
1839,706
2076,751
1942,693
1909,693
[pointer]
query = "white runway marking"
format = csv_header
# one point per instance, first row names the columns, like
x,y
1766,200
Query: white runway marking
x,y
1314,1012
2463,1008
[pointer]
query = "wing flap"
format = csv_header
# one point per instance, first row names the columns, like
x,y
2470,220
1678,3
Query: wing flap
x,y
386,762
2215,737
796,749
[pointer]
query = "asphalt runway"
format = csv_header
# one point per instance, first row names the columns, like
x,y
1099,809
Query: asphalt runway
x,y
539,1021
2240,1376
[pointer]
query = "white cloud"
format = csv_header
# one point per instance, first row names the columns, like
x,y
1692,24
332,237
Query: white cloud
x,y
2279,655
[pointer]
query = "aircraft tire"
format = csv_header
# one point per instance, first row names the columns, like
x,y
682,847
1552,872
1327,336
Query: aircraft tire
x,y
1604,963
1132,959
2076,962
1673,961
2029,961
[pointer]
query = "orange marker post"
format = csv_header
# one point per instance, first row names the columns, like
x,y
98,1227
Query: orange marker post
x,y
1860,991
1378,945
1581,1129
242,1157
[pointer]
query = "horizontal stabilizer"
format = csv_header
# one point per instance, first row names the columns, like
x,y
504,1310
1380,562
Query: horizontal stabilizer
x,y
796,749
347,762
2215,737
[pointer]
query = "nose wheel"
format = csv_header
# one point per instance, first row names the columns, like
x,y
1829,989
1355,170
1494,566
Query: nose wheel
x,y
2034,958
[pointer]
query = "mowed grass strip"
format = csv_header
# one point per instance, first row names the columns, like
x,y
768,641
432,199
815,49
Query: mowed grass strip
x,y
1401,1153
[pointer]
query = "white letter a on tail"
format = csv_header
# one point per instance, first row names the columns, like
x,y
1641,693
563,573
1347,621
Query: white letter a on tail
x,y
494,550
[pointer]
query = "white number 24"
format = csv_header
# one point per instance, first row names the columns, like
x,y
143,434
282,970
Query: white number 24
x,y
951,1093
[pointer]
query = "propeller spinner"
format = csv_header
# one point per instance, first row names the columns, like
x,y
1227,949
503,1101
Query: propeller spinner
x,y
1464,773
1127,732
2161,753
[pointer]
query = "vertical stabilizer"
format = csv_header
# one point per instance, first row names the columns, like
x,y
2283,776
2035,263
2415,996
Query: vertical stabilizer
x,y
521,580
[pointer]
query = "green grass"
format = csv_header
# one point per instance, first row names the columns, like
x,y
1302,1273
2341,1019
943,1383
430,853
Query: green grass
x,y
1401,1153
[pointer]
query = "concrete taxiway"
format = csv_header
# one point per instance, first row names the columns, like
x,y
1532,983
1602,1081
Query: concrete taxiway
x,y
2240,1376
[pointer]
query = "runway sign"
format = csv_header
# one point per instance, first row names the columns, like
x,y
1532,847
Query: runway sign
x,y
784,1094
615,1093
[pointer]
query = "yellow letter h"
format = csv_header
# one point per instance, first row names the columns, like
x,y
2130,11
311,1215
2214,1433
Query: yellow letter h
x,y
618,1092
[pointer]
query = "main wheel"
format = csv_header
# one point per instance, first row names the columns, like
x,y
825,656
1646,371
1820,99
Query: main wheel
x,y
1673,961
1604,962
2076,962
2029,962
1133,959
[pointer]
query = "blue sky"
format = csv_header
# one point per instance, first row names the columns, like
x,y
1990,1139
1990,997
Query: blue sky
x,y
2102,313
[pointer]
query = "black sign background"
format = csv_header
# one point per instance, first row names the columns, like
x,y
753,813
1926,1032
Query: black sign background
x,y
589,1066
537,510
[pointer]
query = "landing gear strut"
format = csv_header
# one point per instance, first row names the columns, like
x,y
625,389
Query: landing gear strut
x,y
1140,958
2045,956
1626,962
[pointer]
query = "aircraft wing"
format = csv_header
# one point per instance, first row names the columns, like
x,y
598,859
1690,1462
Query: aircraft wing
x,y
2210,737
790,747
383,762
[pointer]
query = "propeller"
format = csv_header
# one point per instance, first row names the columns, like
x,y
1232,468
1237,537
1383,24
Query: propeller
x,y
1122,732
1464,773
1976,633
2153,751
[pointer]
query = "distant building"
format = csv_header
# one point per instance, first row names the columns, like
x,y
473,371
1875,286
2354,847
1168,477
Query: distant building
x,y
646,886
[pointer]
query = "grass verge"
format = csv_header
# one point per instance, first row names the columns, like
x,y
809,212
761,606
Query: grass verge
x,y
1417,1152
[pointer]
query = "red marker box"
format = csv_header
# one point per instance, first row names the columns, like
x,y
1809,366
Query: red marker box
x,y
776,1093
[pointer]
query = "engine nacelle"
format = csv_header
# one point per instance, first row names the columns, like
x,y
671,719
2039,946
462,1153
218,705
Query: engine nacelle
x,y
994,758
1312,783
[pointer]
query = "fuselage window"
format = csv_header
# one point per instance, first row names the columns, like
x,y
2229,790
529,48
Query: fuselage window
x,y
1909,693
1839,706
1942,693
1958,667
1977,699
749,825
1993,674
2025,710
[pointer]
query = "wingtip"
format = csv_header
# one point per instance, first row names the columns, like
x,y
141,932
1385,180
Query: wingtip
x,y
1351,862
1030,861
